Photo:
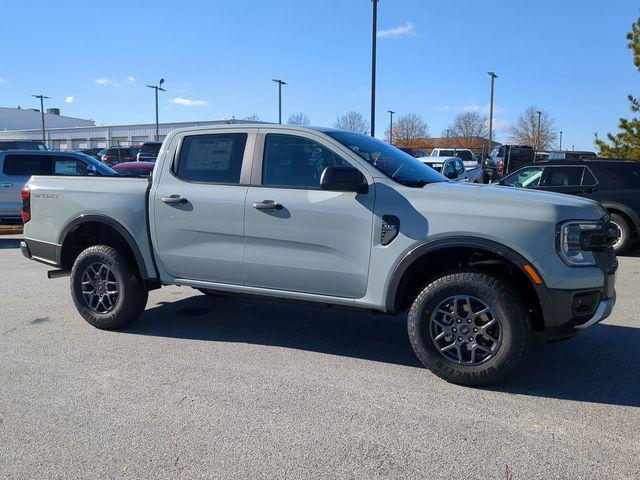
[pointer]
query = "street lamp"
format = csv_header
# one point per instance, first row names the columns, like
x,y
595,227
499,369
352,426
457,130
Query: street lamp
x,y
493,77
42,97
538,136
391,112
157,88
373,66
560,147
280,83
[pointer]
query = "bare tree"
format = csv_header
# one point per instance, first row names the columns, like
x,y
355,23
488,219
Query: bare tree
x,y
298,119
353,122
525,130
468,127
408,130
254,117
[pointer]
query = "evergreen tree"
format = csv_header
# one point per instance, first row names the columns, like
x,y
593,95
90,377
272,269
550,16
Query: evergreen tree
x,y
626,143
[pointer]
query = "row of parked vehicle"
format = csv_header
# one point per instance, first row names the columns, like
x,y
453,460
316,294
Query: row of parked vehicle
x,y
615,184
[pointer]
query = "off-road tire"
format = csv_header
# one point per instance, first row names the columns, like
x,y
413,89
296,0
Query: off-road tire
x,y
507,305
132,293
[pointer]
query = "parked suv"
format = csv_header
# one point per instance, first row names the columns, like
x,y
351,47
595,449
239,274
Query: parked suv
x,y
16,166
615,184
332,218
149,151
115,155
450,167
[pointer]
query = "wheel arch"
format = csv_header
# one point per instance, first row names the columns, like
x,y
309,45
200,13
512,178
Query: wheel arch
x,y
455,249
84,226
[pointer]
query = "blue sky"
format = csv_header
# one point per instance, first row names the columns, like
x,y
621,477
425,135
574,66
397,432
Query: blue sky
x,y
218,59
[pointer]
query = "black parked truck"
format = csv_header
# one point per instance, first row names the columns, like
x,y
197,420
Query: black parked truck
x,y
505,159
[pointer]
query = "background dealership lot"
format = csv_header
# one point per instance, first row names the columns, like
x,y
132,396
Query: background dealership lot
x,y
221,387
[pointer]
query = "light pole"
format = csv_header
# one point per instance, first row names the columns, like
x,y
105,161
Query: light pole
x,y
42,97
560,147
493,77
391,112
373,66
280,83
538,135
157,88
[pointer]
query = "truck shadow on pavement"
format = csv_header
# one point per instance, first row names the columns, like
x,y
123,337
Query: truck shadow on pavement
x,y
601,365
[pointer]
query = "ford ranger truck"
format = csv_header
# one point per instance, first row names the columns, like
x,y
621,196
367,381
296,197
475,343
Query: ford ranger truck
x,y
332,218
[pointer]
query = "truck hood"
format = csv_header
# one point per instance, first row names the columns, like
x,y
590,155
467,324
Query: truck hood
x,y
507,202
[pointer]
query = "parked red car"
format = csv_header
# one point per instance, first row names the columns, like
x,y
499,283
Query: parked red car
x,y
135,169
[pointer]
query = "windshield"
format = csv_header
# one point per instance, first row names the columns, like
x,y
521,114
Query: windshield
x,y
394,163
150,147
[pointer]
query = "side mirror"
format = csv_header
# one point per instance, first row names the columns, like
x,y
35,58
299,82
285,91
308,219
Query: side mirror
x,y
343,179
92,170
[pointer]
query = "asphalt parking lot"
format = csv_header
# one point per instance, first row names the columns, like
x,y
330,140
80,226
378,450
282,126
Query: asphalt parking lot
x,y
221,387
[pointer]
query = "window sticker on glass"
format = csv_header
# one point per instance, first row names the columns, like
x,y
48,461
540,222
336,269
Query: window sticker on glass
x,y
65,167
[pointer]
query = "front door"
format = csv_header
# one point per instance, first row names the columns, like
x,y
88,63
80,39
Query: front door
x,y
299,237
198,206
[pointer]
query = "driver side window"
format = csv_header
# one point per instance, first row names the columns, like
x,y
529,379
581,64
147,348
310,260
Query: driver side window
x,y
297,162
525,178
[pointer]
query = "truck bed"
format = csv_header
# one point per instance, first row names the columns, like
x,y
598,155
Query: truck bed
x,y
57,201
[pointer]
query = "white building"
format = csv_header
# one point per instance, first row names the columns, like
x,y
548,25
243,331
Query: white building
x,y
101,136
24,119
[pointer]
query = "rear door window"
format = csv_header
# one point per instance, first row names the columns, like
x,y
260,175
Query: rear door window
x,y
27,165
563,177
214,158
459,166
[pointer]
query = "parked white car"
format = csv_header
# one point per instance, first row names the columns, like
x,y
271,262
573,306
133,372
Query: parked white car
x,y
465,154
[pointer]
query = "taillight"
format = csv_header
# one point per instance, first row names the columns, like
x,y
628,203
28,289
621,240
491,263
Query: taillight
x,y
26,204
500,167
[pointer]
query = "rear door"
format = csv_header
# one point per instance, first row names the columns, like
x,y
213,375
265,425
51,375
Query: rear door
x,y
563,179
311,241
198,206
17,168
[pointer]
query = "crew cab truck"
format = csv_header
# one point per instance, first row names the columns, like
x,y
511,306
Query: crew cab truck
x,y
332,218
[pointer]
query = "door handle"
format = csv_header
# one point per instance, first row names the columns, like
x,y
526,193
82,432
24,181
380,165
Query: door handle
x,y
267,205
175,199
6,184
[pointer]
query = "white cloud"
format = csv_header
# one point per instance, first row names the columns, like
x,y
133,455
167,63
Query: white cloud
x,y
406,29
69,99
131,79
442,108
187,102
105,81
2,80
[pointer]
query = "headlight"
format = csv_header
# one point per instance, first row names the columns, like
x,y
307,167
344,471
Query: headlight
x,y
570,243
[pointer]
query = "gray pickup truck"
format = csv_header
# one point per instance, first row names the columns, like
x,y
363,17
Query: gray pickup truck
x,y
332,218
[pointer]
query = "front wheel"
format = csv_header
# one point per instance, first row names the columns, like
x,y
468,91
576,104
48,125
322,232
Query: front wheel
x,y
469,328
107,291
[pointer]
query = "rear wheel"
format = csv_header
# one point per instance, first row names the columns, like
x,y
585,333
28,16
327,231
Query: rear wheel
x,y
469,328
107,291
624,233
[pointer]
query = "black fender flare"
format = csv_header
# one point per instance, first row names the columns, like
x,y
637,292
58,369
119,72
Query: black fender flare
x,y
441,243
624,209
110,222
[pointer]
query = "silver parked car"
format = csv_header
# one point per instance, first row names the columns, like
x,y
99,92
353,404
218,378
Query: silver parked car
x,y
17,166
